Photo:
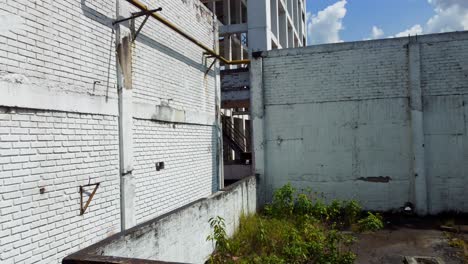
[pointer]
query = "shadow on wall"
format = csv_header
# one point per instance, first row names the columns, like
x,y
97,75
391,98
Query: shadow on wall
x,y
146,40
217,143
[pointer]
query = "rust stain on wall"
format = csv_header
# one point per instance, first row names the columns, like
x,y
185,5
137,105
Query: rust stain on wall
x,y
124,53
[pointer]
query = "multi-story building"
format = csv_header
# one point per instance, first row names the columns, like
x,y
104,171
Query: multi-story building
x,y
247,26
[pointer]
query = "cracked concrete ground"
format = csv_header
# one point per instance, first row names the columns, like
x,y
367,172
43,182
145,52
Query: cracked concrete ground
x,y
408,237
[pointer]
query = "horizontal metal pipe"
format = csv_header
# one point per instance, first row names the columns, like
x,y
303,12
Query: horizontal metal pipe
x,y
143,7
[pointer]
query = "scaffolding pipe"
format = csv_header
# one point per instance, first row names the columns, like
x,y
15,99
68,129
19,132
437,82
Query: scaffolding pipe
x,y
211,52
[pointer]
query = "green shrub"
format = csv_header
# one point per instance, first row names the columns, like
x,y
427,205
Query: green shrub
x,y
303,205
293,229
371,223
283,201
352,210
219,237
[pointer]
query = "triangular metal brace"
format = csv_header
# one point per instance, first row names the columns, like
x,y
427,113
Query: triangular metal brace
x,y
136,15
82,192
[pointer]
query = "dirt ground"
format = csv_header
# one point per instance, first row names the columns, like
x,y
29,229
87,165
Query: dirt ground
x,y
406,236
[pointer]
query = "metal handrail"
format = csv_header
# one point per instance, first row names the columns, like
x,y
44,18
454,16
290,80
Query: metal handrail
x,y
234,134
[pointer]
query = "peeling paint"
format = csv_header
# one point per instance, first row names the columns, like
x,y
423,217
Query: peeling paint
x,y
124,53
382,179
14,78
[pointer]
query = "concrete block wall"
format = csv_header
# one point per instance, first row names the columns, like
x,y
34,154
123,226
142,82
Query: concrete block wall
x,y
444,81
379,121
59,116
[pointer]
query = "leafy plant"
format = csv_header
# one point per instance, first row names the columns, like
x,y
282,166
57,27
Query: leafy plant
x,y
303,205
372,223
334,211
219,237
293,229
283,201
352,209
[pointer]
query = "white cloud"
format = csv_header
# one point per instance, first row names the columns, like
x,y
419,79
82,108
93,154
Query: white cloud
x,y
325,26
415,30
450,15
376,32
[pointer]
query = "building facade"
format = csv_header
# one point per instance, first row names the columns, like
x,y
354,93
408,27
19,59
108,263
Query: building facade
x,y
91,111
245,27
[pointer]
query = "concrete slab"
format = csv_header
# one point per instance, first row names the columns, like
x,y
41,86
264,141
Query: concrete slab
x,y
406,243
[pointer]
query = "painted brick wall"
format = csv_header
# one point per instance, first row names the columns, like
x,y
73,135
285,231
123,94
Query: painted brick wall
x,y
59,152
170,69
337,119
59,121
189,156
172,72
348,71
61,46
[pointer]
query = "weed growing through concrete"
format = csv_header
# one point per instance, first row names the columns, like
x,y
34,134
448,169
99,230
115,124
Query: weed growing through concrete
x,y
294,228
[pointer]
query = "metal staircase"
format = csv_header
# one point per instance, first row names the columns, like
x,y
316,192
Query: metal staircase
x,y
235,139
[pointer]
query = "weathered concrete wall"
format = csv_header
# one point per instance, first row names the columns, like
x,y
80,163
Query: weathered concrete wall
x,y
379,121
179,236
70,110
444,82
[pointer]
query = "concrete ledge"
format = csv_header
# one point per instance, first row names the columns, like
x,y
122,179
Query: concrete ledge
x,y
95,259
178,236
25,95
355,45
166,113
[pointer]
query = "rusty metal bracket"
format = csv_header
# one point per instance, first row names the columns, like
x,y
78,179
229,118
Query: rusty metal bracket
x,y
209,68
82,191
136,15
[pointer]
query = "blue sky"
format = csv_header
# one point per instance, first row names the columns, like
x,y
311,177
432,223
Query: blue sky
x,y
350,20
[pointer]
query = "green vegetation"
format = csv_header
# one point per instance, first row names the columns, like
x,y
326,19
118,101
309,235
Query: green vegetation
x,y
372,222
294,228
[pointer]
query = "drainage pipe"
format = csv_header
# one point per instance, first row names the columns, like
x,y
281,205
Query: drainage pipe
x,y
209,51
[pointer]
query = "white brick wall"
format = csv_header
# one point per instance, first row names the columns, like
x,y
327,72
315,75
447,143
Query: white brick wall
x,y
337,114
57,62
189,155
59,152
63,45
168,67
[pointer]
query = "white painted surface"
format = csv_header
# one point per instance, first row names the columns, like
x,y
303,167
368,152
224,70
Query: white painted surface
x,y
181,235
337,114
189,156
417,129
58,78
57,151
